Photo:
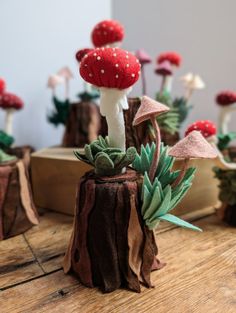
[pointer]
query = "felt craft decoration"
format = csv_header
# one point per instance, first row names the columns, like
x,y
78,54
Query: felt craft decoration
x,y
107,33
227,103
2,85
164,69
173,57
67,75
81,53
144,59
113,71
191,83
10,103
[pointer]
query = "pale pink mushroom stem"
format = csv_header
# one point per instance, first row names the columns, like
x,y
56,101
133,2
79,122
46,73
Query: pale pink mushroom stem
x,y
144,84
182,173
156,155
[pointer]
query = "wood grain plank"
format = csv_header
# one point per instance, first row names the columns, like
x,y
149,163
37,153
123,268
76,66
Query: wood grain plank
x,y
200,277
49,239
17,262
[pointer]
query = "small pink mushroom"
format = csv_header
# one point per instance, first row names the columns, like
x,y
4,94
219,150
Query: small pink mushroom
x,y
144,59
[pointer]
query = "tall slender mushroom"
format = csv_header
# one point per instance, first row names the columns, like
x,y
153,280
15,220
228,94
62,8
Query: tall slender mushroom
x,y
107,33
66,73
191,83
227,102
54,81
193,146
144,59
175,60
113,71
164,69
10,103
150,109
2,85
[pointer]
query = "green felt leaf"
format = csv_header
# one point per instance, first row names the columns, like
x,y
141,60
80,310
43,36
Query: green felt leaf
x,y
88,153
164,206
224,140
102,142
103,162
177,221
147,197
5,140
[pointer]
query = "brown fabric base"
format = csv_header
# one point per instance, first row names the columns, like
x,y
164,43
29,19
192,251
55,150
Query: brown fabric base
x,y
169,139
110,247
83,124
17,210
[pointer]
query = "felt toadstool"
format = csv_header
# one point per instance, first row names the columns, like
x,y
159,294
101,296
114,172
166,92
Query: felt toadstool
x,y
193,146
227,102
53,81
2,85
10,103
107,33
191,83
66,73
81,53
113,71
149,110
164,69
144,59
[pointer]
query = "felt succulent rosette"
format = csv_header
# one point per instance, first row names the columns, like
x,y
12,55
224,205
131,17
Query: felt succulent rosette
x,y
224,165
122,200
17,210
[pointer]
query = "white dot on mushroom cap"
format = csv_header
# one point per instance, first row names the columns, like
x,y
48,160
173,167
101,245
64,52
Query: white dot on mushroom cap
x,y
86,56
117,76
117,65
103,48
102,71
114,54
90,74
127,56
133,75
98,58
95,54
85,65
127,65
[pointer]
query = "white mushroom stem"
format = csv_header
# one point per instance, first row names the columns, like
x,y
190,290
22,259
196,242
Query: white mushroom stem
x,y
188,93
113,102
8,121
87,87
167,84
224,118
67,88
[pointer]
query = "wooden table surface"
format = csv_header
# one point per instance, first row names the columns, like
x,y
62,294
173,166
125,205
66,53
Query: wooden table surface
x,y
200,275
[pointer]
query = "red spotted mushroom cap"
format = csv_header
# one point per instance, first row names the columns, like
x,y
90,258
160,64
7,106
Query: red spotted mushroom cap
x,y
206,127
148,109
81,53
2,85
143,57
107,32
10,101
173,57
226,98
110,68
164,69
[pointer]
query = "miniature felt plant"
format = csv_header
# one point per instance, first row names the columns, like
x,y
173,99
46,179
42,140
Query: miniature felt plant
x,y
107,33
144,59
227,103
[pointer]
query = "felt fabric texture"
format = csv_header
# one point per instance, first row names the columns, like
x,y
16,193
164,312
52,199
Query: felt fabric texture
x,y
206,127
110,68
110,247
17,210
143,57
83,124
65,72
81,53
107,32
10,101
164,69
173,57
194,145
225,98
149,108
54,80
2,85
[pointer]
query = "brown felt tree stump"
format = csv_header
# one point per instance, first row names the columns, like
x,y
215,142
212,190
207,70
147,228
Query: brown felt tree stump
x,y
110,247
83,124
169,139
227,213
17,210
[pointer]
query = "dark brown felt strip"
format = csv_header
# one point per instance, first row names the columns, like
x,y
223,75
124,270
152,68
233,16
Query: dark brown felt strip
x,y
4,180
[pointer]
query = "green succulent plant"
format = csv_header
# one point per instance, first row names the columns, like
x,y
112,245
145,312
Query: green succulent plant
x,y
5,140
224,140
60,113
227,185
107,161
159,197
182,107
4,157
88,96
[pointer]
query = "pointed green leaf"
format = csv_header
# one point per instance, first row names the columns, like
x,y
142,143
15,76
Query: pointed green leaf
x,y
177,221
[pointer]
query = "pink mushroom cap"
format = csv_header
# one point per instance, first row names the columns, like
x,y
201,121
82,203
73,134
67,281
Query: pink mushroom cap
x,y
164,69
143,57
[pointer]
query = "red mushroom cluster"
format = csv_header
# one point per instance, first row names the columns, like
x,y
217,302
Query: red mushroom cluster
x,y
81,53
226,98
107,33
206,127
173,57
10,101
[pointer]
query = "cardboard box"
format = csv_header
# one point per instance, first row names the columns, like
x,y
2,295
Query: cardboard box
x,y
55,173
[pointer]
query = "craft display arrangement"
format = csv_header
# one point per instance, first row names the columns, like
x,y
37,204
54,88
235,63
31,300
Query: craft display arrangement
x,y
118,206
17,210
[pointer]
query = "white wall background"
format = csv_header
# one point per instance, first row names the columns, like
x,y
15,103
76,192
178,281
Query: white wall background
x,y
202,31
38,37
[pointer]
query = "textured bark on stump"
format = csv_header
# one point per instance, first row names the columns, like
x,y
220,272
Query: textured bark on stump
x,y
17,210
227,213
169,139
110,247
83,124
136,135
